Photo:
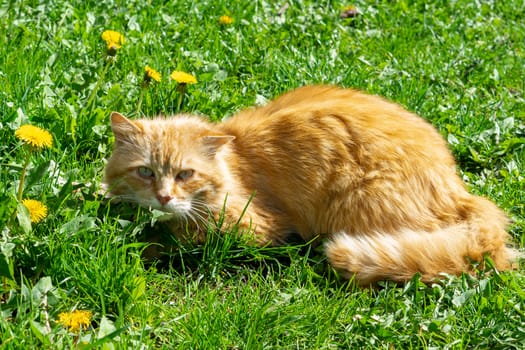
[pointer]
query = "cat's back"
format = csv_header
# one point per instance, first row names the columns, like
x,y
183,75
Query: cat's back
x,y
328,115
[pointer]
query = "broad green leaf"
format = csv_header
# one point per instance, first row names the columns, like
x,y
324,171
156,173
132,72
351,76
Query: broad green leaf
x,y
22,215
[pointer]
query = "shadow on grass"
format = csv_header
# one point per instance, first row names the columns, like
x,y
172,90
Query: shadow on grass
x,y
225,252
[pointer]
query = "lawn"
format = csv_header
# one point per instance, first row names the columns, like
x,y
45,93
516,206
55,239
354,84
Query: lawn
x,y
74,276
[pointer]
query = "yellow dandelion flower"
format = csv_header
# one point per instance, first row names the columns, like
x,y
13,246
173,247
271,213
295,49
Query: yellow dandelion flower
x,y
152,74
349,12
113,39
37,210
183,77
34,136
225,20
76,319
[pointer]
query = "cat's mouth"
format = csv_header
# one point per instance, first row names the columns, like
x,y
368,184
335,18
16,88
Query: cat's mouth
x,y
188,212
177,207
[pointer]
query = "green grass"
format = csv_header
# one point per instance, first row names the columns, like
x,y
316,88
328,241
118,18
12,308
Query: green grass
x,y
458,64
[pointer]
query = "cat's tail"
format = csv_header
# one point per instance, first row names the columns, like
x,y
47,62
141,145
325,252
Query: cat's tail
x,y
453,249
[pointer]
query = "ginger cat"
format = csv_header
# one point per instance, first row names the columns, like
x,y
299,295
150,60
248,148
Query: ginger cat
x,y
377,182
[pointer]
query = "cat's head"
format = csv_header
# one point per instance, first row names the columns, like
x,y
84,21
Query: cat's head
x,y
171,164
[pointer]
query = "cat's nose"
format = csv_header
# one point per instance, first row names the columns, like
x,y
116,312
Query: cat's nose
x,y
163,199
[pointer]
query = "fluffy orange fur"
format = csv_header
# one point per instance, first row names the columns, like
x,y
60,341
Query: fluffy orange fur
x,y
377,182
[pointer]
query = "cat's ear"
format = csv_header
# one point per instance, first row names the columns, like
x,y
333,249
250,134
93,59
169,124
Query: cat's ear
x,y
122,127
214,143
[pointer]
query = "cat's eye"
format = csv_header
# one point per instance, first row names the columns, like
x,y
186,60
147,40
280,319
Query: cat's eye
x,y
184,175
145,172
